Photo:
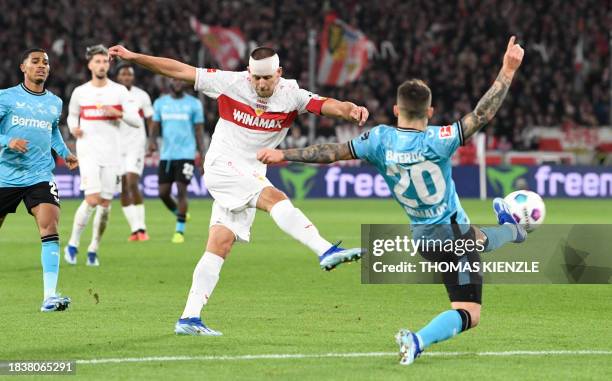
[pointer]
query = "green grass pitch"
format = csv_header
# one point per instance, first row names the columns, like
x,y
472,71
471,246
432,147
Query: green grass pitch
x,y
272,298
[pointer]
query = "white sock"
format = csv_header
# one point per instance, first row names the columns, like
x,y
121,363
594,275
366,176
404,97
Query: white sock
x,y
81,217
140,217
293,222
99,225
205,277
130,215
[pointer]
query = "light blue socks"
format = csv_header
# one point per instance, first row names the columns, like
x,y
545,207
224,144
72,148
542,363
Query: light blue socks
x,y
50,259
499,235
442,327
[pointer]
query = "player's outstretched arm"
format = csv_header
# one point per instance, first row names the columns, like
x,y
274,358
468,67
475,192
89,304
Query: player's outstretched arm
x,y
345,110
160,65
319,153
489,104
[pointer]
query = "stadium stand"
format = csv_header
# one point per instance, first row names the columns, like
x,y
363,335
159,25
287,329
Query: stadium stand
x,y
563,83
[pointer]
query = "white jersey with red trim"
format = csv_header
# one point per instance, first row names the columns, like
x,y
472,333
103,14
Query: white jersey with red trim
x,y
247,122
129,134
100,142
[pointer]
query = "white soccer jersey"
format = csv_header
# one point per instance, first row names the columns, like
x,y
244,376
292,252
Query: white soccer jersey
x,y
100,142
129,134
248,123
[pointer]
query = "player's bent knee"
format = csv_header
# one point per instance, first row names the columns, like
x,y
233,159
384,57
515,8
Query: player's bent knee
x,y
47,226
47,218
220,240
475,319
278,195
93,199
269,197
47,230
469,311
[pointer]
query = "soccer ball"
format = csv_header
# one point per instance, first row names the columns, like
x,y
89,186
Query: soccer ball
x,y
527,208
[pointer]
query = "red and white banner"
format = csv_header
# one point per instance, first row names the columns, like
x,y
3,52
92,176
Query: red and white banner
x,y
227,45
344,53
245,116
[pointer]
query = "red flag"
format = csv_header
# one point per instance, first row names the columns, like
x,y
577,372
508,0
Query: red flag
x,y
344,52
227,45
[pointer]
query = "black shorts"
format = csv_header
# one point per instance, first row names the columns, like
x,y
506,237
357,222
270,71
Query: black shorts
x,y
41,193
461,287
171,171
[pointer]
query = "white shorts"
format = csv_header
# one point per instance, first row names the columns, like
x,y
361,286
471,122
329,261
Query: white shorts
x,y
132,157
238,222
105,180
235,184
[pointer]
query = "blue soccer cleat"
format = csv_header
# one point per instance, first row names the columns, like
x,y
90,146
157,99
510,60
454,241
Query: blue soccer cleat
x,y
409,347
501,209
92,259
337,255
55,303
194,327
70,254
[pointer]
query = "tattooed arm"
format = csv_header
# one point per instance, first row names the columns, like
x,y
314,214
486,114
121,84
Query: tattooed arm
x,y
320,153
489,104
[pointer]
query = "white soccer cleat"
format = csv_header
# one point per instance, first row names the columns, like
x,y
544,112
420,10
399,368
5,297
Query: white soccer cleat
x,y
194,327
55,303
337,255
409,347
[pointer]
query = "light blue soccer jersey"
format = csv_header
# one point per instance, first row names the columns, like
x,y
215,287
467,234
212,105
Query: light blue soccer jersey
x,y
417,167
177,118
35,118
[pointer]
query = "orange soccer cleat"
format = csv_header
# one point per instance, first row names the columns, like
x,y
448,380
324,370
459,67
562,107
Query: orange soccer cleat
x,y
143,236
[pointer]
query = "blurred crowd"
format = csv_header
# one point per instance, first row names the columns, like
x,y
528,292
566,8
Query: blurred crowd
x,y
455,46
